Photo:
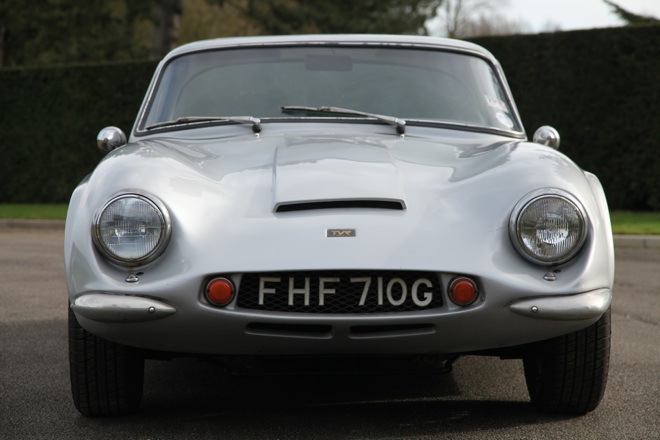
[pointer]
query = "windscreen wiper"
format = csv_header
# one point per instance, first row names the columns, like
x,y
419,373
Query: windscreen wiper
x,y
256,122
400,124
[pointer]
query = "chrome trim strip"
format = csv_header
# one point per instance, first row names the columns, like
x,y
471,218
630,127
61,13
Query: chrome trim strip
x,y
120,308
587,305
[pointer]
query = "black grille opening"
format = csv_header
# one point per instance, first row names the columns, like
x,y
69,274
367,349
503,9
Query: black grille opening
x,y
340,292
340,204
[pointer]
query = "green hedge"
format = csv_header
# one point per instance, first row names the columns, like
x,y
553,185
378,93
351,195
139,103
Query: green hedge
x,y
49,120
599,88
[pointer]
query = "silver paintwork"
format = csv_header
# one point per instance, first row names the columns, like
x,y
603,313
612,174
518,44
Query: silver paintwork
x,y
222,186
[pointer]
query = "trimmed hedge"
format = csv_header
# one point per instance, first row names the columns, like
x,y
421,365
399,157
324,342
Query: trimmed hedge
x,y
599,88
49,120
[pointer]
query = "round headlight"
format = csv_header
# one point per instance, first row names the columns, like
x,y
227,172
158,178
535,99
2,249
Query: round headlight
x,y
548,226
132,229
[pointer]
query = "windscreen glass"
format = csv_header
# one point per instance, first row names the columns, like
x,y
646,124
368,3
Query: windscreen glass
x,y
413,84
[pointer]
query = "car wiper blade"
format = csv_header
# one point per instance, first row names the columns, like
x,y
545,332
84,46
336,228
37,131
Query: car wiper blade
x,y
399,123
256,122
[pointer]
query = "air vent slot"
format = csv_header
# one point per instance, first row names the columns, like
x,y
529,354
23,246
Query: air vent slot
x,y
289,330
342,204
375,331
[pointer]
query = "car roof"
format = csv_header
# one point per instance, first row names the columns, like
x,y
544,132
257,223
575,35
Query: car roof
x,y
335,39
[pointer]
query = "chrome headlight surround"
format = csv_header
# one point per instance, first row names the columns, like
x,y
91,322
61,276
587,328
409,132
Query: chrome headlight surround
x,y
548,226
132,229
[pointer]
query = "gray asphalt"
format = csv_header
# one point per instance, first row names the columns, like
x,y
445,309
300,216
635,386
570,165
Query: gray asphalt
x,y
190,398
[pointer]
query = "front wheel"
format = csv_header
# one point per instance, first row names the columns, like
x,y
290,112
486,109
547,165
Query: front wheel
x,y
106,378
568,374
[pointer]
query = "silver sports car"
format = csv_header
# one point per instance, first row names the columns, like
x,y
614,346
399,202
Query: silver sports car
x,y
324,198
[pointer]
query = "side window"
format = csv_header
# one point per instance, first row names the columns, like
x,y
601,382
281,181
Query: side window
x,y
500,113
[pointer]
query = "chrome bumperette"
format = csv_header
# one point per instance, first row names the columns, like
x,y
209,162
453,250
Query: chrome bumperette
x,y
588,305
120,308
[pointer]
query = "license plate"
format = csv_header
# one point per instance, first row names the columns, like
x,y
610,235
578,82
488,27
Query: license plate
x,y
343,292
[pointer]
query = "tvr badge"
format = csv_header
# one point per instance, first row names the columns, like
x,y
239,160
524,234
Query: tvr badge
x,y
339,233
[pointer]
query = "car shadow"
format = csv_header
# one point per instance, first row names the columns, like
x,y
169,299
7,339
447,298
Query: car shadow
x,y
196,395
193,398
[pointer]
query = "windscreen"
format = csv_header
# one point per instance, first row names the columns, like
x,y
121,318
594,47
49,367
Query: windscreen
x,y
413,84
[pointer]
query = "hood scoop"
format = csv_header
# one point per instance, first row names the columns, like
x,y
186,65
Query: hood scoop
x,y
331,174
341,204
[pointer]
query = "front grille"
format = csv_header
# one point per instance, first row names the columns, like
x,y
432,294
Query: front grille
x,y
340,292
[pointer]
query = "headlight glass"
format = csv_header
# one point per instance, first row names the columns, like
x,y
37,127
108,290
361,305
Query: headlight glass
x,y
549,228
132,229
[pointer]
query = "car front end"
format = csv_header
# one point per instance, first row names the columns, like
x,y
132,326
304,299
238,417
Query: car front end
x,y
329,231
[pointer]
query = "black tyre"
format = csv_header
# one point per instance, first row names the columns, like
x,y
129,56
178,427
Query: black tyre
x,y
106,378
568,374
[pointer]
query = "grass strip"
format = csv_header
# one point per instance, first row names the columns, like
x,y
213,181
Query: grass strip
x,y
33,211
639,223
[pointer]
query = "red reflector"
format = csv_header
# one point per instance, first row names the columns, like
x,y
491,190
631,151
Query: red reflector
x,y
220,291
463,291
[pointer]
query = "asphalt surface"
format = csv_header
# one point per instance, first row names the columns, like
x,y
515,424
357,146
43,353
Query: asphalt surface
x,y
190,398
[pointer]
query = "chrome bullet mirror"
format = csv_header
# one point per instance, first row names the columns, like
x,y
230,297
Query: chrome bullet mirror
x,y
110,138
547,136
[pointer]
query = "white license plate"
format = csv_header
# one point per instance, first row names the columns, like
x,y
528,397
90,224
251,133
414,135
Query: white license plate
x,y
361,291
